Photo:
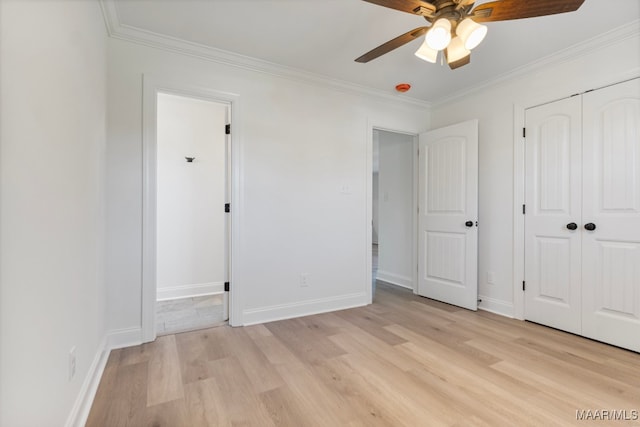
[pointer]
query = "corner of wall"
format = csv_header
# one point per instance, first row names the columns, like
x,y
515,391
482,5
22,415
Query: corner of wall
x,y
492,305
126,337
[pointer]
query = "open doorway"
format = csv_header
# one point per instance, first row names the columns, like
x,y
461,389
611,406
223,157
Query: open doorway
x,y
192,230
393,210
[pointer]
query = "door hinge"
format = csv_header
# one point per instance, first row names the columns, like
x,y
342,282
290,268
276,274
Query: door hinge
x,y
524,132
227,207
524,285
226,286
227,129
524,209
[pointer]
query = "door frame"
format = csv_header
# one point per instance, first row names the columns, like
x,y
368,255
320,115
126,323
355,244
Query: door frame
x,y
380,125
519,161
152,85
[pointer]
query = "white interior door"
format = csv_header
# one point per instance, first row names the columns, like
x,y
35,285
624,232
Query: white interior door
x,y
553,214
611,202
448,214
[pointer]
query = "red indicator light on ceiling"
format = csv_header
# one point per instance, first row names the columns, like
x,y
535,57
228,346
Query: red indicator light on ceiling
x,y
403,87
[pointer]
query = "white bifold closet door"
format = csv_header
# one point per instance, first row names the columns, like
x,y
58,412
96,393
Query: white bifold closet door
x,y
611,202
582,223
553,203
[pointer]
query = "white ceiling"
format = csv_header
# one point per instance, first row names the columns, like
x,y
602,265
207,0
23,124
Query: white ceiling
x,y
325,36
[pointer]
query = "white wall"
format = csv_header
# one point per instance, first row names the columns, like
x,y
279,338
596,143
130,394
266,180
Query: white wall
x,y
494,107
395,208
305,163
52,141
190,196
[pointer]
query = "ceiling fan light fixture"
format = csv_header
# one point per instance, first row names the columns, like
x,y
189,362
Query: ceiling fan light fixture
x,y
471,33
456,50
439,36
426,53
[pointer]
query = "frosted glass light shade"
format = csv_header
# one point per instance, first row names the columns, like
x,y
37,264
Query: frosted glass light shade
x,y
456,50
426,53
439,36
471,33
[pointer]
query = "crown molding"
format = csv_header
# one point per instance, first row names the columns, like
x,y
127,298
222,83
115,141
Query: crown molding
x,y
120,31
624,32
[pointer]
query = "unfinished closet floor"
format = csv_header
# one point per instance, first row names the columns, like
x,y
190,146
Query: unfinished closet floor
x,y
188,314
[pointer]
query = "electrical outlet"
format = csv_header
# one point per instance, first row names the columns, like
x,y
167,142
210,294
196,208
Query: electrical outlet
x,y
72,362
345,189
491,278
304,280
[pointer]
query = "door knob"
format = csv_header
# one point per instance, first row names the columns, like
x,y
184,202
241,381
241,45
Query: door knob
x,y
469,223
590,226
572,226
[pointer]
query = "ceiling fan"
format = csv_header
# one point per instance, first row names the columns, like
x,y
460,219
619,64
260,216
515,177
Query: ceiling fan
x,y
454,25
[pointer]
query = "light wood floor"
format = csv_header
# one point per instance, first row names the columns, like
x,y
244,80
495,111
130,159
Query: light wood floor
x,y
403,361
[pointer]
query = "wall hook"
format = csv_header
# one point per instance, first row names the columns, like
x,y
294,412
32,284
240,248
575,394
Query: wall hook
x,y
189,159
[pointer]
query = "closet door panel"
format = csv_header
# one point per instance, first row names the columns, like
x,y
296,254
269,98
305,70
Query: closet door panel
x,y
553,200
611,204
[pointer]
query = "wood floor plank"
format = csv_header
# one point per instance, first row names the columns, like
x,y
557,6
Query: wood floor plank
x,y
136,354
372,324
370,346
369,406
280,403
413,405
314,397
125,404
274,350
306,343
165,379
610,389
193,353
107,388
261,373
237,396
402,361
205,404
168,414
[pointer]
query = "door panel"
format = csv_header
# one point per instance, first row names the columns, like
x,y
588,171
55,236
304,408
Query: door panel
x,y
553,200
611,252
448,197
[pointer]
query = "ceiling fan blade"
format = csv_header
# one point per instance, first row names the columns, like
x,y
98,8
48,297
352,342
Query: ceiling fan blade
x,y
392,44
417,7
504,10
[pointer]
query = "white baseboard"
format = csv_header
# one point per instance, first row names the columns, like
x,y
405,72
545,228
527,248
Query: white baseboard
x,y
395,279
82,406
188,291
113,340
305,308
503,308
120,338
